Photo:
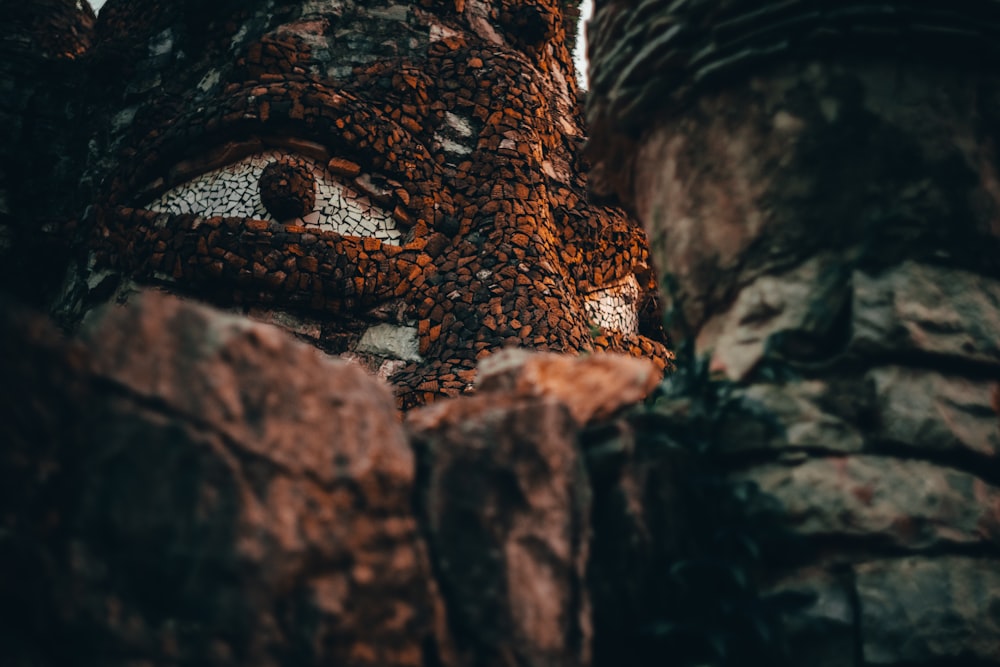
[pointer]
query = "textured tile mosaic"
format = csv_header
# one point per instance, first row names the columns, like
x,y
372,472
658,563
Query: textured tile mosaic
x,y
615,308
350,178
234,191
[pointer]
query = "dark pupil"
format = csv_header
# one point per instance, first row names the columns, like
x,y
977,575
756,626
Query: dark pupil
x,y
288,189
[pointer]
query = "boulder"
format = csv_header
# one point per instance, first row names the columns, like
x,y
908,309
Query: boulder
x,y
506,506
918,610
235,497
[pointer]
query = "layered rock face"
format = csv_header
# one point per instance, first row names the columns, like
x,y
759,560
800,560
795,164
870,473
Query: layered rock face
x,y
820,188
180,486
398,183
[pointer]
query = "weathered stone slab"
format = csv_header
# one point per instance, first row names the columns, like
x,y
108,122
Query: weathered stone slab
x,y
882,500
927,309
506,510
917,610
238,377
930,411
801,304
792,416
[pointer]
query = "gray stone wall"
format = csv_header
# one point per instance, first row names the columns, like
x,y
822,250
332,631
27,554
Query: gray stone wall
x,y
820,189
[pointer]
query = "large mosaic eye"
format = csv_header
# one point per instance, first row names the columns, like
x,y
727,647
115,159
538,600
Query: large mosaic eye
x,y
279,187
615,308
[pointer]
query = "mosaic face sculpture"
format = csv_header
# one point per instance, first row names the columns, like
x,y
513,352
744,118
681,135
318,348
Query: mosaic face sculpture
x,y
395,182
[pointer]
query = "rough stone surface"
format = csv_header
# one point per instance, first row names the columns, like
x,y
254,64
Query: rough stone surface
x,y
42,381
889,501
936,413
235,498
505,502
819,185
919,610
591,387
775,317
391,341
437,180
823,631
793,417
928,310
644,520
662,58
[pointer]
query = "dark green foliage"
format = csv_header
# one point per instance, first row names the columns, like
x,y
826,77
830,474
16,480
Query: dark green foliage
x,y
711,613
680,586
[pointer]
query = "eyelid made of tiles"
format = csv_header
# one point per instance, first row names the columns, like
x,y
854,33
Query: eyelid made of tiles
x,y
233,191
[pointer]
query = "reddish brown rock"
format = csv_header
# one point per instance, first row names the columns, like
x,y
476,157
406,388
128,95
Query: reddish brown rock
x,y
505,503
828,231
237,498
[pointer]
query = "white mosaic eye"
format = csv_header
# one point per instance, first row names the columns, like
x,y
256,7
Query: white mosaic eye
x,y
615,308
234,191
